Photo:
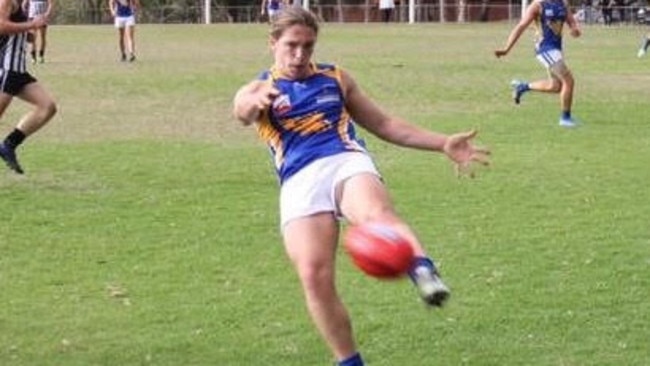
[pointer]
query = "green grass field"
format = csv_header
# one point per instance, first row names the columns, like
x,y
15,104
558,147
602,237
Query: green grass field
x,y
145,230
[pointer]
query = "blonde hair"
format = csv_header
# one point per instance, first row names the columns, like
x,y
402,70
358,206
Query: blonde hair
x,y
290,16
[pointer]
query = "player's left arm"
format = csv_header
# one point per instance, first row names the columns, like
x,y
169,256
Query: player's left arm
x,y
367,114
572,22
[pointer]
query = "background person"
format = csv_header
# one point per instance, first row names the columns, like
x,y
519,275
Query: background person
x,y
386,8
307,113
271,8
39,35
17,82
549,17
124,11
645,43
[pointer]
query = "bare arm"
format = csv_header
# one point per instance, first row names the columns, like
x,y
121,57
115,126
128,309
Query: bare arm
x,y
531,14
50,8
571,21
252,99
397,131
112,7
9,27
392,129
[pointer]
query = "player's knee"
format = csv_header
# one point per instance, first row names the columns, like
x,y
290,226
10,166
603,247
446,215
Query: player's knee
x,y
316,280
48,110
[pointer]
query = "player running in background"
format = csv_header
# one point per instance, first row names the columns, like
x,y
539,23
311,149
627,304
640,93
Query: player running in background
x,y
17,82
307,114
124,13
549,17
39,36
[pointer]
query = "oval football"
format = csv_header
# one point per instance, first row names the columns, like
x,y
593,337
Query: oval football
x,y
378,250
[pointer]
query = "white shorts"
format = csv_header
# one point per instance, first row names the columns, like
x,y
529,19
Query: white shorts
x,y
123,22
550,58
312,189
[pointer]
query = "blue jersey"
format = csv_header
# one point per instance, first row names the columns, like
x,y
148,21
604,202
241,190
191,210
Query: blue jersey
x,y
307,120
124,8
549,25
274,5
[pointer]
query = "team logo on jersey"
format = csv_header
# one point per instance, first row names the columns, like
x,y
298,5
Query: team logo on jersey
x,y
281,105
549,12
329,94
328,98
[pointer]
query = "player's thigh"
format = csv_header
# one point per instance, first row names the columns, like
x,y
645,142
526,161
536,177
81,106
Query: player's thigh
x,y
311,241
35,94
364,197
560,71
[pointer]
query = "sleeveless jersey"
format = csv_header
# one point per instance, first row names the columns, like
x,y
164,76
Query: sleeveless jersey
x,y
274,5
124,8
549,25
307,121
12,46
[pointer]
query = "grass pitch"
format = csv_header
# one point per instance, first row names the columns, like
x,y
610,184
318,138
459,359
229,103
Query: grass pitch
x,y
145,231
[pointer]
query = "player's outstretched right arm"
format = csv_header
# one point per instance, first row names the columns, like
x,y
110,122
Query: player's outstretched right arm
x,y
252,99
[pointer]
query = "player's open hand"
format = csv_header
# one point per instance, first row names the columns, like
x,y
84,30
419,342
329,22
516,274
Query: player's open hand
x,y
463,153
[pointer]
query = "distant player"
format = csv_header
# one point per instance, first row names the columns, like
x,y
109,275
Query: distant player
x,y
549,17
39,35
645,43
124,13
271,8
17,82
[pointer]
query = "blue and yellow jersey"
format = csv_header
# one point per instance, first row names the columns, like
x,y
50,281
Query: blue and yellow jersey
x,y
549,25
307,120
274,5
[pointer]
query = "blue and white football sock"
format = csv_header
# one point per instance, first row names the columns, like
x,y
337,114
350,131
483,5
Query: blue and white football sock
x,y
421,262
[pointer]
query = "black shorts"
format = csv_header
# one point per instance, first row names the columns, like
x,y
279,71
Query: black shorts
x,y
12,82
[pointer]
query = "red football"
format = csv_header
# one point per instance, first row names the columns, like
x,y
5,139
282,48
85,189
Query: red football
x,y
378,250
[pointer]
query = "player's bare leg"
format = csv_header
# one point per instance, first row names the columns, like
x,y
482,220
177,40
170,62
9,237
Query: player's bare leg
x,y
311,243
363,198
44,110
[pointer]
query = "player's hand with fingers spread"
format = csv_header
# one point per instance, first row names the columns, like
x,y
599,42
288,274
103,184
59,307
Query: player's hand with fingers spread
x,y
463,153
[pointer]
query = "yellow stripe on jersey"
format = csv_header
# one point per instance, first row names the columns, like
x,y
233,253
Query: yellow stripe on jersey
x,y
306,125
271,136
